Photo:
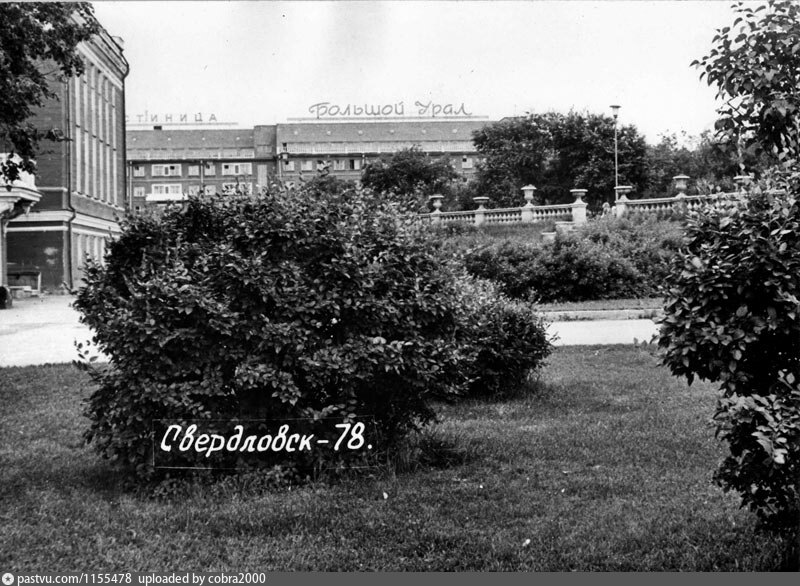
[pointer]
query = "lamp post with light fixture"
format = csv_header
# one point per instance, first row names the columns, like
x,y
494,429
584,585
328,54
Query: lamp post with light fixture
x,y
615,111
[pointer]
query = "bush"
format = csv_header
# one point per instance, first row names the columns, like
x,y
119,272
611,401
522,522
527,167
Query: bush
x,y
570,269
606,259
285,306
271,307
733,317
507,339
650,242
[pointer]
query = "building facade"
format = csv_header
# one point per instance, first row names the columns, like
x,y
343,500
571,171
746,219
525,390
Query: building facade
x,y
82,179
348,146
167,164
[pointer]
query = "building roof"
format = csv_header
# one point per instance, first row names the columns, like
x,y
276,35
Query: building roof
x,y
388,131
189,139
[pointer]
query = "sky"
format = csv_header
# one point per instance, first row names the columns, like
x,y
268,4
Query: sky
x,y
259,62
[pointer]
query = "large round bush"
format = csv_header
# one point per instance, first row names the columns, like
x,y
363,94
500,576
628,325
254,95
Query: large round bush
x,y
276,306
291,305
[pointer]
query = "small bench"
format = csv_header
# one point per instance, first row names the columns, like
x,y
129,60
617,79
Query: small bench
x,y
27,280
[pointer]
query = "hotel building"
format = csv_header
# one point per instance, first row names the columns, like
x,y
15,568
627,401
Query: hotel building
x,y
166,164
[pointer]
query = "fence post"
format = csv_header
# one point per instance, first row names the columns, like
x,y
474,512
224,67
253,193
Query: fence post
x,y
480,213
680,199
436,214
622,199
578,207
527,209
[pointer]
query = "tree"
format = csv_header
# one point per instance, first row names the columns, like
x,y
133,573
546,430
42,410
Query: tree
x,y
711,166
408,172
38,44
557,152
755,64
732,318
732,312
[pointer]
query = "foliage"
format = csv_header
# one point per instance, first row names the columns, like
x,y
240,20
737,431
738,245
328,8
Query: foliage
x,y
407,172
607,259
277,306
733,318
755,64
459,194
38,43
557,152
285,305
708,163
507,339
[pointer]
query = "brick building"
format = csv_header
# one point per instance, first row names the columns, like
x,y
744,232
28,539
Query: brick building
x,y
82,180
165,164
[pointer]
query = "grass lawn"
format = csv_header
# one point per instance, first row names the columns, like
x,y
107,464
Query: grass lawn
x,y
604,304
607,467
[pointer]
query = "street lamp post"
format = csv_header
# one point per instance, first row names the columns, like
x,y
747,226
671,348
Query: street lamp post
x,y
615,111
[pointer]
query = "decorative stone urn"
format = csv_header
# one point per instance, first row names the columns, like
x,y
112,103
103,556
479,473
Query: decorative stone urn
x,y
527,193
622,191
681,184
481,201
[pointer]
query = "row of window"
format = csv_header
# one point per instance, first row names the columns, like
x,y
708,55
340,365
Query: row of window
x,y
177,189
351,164
375,147
96,131
209,169
338,165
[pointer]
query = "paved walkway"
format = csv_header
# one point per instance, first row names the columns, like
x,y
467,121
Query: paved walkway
x,y
45,330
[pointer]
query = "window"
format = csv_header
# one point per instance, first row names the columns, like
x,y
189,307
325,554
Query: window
x,y
166,170
209,169
138,192
237,168
338,165
243,187
210,190
194,189
193,170
466,162
355,164
288,165
138,170
167,189
306,165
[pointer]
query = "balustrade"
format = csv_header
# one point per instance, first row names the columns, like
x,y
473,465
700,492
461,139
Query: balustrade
x,y
575,211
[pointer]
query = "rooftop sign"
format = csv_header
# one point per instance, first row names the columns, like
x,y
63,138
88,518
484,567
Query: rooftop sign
x,y
149,118
429,109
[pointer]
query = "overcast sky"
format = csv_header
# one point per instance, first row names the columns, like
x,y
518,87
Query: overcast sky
x,y
263,62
